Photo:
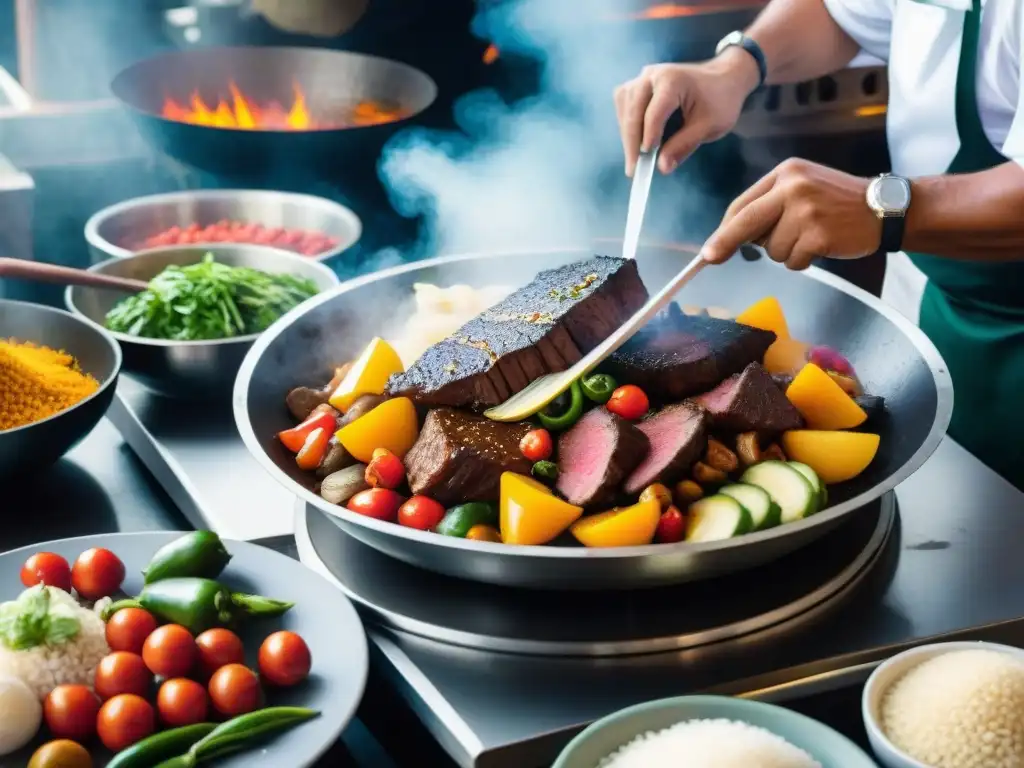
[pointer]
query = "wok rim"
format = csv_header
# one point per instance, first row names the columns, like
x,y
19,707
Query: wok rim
x,y
943,414
116,87
109,381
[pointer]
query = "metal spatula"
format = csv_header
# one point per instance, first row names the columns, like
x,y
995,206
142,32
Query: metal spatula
x,y
542,391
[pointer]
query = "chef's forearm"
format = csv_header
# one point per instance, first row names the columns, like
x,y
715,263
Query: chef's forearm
x,y
801,41
972,216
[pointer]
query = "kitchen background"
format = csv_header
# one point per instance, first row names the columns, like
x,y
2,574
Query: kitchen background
x,y
518,150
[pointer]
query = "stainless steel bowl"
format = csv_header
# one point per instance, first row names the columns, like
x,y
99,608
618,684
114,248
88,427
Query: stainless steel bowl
x,y
187,369
107,232
37,445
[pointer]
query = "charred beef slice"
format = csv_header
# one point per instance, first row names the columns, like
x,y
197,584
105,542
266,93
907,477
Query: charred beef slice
x,y
460,456
678,355
678,436
750,401
596,455
544,327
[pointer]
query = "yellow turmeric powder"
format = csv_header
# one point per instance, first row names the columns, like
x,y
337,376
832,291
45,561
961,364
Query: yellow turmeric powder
x,y
37,382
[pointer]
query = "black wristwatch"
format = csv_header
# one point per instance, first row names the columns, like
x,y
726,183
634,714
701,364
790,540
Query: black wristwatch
x,y
889,197
750,46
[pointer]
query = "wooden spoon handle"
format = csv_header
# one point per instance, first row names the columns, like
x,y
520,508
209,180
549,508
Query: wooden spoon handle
x,y
52,273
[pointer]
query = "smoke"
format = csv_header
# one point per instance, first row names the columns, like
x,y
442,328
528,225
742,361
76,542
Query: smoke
x,y
545,171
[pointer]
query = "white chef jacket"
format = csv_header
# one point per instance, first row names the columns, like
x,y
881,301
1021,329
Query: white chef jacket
x,y
920,40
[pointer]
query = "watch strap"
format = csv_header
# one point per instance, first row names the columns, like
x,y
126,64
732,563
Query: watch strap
x,y
750,45
892,233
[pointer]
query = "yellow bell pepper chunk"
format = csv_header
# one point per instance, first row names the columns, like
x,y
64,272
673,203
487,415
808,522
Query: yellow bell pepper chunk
x,y
393,425
531,513
767,315
626,527
368,375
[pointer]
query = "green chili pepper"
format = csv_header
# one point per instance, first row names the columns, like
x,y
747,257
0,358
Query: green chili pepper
x,y
235,734
559,416
181,761
161,746
458,520
598,388
199,604
546,470
200,554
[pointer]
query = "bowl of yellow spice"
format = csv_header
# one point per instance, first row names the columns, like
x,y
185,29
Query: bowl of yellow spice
x,y
57,378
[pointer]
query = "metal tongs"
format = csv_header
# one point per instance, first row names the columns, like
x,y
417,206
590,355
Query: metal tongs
x,y
540,392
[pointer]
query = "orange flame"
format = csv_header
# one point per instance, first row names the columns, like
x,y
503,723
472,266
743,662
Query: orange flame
x,y
245,114
679,10
491,54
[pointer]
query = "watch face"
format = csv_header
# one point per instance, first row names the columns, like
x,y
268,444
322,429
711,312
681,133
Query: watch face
x,y
892,193
733,38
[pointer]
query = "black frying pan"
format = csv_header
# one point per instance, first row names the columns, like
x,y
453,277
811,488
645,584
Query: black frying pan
x,y
333,81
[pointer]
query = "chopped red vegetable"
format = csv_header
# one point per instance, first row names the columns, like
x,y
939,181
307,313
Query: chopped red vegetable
x,y
48,568
629,402
537,445
295,438
421,512
385,470
308,243
671,527
380,503
314,449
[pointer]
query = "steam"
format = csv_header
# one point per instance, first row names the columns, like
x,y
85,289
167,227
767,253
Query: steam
x,y
544,172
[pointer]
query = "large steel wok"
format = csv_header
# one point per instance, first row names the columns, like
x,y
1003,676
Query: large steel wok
x,y
891,355
333,81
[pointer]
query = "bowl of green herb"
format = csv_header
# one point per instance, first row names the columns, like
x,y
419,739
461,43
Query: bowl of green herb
x,y
186,336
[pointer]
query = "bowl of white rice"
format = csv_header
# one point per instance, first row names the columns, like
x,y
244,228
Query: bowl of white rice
x,y
710,732
948,705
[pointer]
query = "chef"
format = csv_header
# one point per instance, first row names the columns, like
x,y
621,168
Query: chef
x,y
951,215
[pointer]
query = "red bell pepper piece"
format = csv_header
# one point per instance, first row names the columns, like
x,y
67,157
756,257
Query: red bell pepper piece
x,y
314,449
295,438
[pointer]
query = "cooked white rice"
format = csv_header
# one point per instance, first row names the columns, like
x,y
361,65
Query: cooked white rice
x,y
709,744
45,667
962,709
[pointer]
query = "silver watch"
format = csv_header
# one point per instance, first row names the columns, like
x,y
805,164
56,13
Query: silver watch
x,y
888,196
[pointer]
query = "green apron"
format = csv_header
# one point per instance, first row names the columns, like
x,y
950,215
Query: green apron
x,y
974,312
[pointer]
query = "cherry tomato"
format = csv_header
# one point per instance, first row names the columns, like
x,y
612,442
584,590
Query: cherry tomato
x,y
234,690
61,753
97,573
629,402
385,470
170,651
124,720
70,712
122,672
420,512
218,648
128,629
47,568
671,526
285,659
181,702
380,503
537,445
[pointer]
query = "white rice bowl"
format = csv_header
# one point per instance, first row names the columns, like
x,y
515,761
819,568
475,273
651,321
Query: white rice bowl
x,y
45,667
717,743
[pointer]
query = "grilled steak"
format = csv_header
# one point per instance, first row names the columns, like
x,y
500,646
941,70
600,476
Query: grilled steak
x,y
459,456
678,355
677,436
596,455
542,328
750,401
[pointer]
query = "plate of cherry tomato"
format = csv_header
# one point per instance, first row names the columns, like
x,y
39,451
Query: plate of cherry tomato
x,y
291,653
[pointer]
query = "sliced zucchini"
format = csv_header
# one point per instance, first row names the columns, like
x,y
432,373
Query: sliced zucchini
x,y
715,518
812,477
787,487
764,513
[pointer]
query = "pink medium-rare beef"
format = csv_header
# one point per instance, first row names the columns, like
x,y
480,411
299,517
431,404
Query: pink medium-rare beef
x,y
677,435
544,327
678,355
460,456
750,402
596,455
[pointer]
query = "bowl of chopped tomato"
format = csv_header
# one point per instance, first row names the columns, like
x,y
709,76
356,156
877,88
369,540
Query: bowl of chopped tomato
x,y
310,226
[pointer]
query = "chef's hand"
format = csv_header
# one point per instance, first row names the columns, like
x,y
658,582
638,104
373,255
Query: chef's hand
x,y
710,96
799,211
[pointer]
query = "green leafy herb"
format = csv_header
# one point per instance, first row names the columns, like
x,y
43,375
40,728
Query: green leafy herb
x,y
34,619
207,301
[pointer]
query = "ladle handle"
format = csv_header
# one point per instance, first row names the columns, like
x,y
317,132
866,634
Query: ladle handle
x,y
52,273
